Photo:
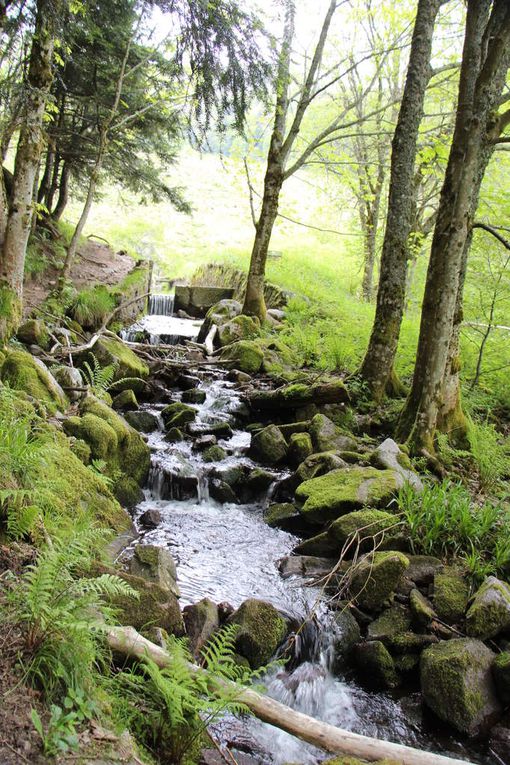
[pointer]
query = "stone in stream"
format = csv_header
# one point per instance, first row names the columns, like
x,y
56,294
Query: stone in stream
x,y
347,636
501,673
340,491
362,528
126,399
261,630
239,328
188,382
300,447
326,436
150,519
177,414
214,453
218,429
421,607
376,577
246,355
375,664
451,595
457,684
305,566
320,544
174,436
389,455
284,515
156,565
222,492
204,442
194,396
130,370
219,314
145,422
259,480
489,613
393,621
179,482
269,446
499,740
201,620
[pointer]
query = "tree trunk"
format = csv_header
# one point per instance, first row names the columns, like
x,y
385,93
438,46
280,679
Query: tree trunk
x,y
377,367
369,246
48,173
19,218
63,192
53,185
485,56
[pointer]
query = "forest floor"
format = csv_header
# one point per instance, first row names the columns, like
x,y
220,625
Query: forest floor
x,y
96,263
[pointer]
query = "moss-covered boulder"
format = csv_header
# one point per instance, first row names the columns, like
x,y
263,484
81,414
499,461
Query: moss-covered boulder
x,y
326,436
421,608
214,453
269,446
361,527
346,636
451,595
423,568
155,606
33,332
239,328
144,422
220,313
178,414
389,455
27,373
393,621
300,447
245,355
457,684
299,395
376,577
319,545
130,370
375,665
489,613
126,399
318,464
282,515
261,630
201,620
501,673
340,491
156,565
194,396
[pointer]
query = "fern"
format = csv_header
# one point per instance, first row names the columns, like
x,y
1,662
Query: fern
x,y
98,378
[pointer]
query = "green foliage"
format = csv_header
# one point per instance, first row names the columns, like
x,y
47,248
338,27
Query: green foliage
x,y
168,709
93,305
98,378
61,731
443,521
64,611
491,459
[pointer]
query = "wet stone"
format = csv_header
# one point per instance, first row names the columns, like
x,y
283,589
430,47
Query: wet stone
x,y
150,519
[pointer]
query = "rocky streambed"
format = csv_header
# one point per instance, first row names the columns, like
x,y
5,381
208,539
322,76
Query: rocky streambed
x,y
251,498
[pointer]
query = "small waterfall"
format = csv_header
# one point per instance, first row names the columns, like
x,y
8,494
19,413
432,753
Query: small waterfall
x,y
155,481
203,488
161,305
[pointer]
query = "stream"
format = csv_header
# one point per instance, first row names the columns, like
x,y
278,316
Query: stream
x,y
226,552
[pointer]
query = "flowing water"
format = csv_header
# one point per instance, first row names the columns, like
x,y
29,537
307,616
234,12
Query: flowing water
x,y
160,326
227,553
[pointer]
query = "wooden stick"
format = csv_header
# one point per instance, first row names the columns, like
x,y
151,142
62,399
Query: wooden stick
x,y
209,340
129,642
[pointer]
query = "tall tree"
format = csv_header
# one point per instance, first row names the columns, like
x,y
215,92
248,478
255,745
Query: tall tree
x,y
16,216
485,62
377,367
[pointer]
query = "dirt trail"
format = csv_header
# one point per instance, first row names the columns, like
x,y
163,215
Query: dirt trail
x,y
95,263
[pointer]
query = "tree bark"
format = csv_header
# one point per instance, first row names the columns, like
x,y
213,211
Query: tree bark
x,y
377,367
63,192
128,642
17,222
485,57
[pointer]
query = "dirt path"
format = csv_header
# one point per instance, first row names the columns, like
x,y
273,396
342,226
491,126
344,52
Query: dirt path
x,y
96,263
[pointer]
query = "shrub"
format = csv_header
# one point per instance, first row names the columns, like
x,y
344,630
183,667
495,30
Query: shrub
x,y
92,306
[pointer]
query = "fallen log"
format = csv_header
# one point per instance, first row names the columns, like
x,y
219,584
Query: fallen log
x,y
127,641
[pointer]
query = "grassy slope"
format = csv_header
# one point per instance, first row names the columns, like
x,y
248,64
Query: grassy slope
x,y
324,267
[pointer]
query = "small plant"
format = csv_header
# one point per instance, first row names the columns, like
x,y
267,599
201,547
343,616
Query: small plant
x,y
92,306
488,453
61,731
98,378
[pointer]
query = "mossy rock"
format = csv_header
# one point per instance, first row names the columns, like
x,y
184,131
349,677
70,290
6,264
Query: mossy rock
x,y
174,436
129,368
214,454
144,422
178,414
246,356
261,630
340,491
376,577
318,464
360,527
375,664
300,447
99,435
501,673
451,595
128,492
33,332
393,621
489,613
194,396
281,515
319,545
269,446
457,684
126,399
155,564
299,395
22,371
421,608
239,328
388,455
81,449
326,436
202,621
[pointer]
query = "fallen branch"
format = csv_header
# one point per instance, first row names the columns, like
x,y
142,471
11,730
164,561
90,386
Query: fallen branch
x,y
209,340
127,641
